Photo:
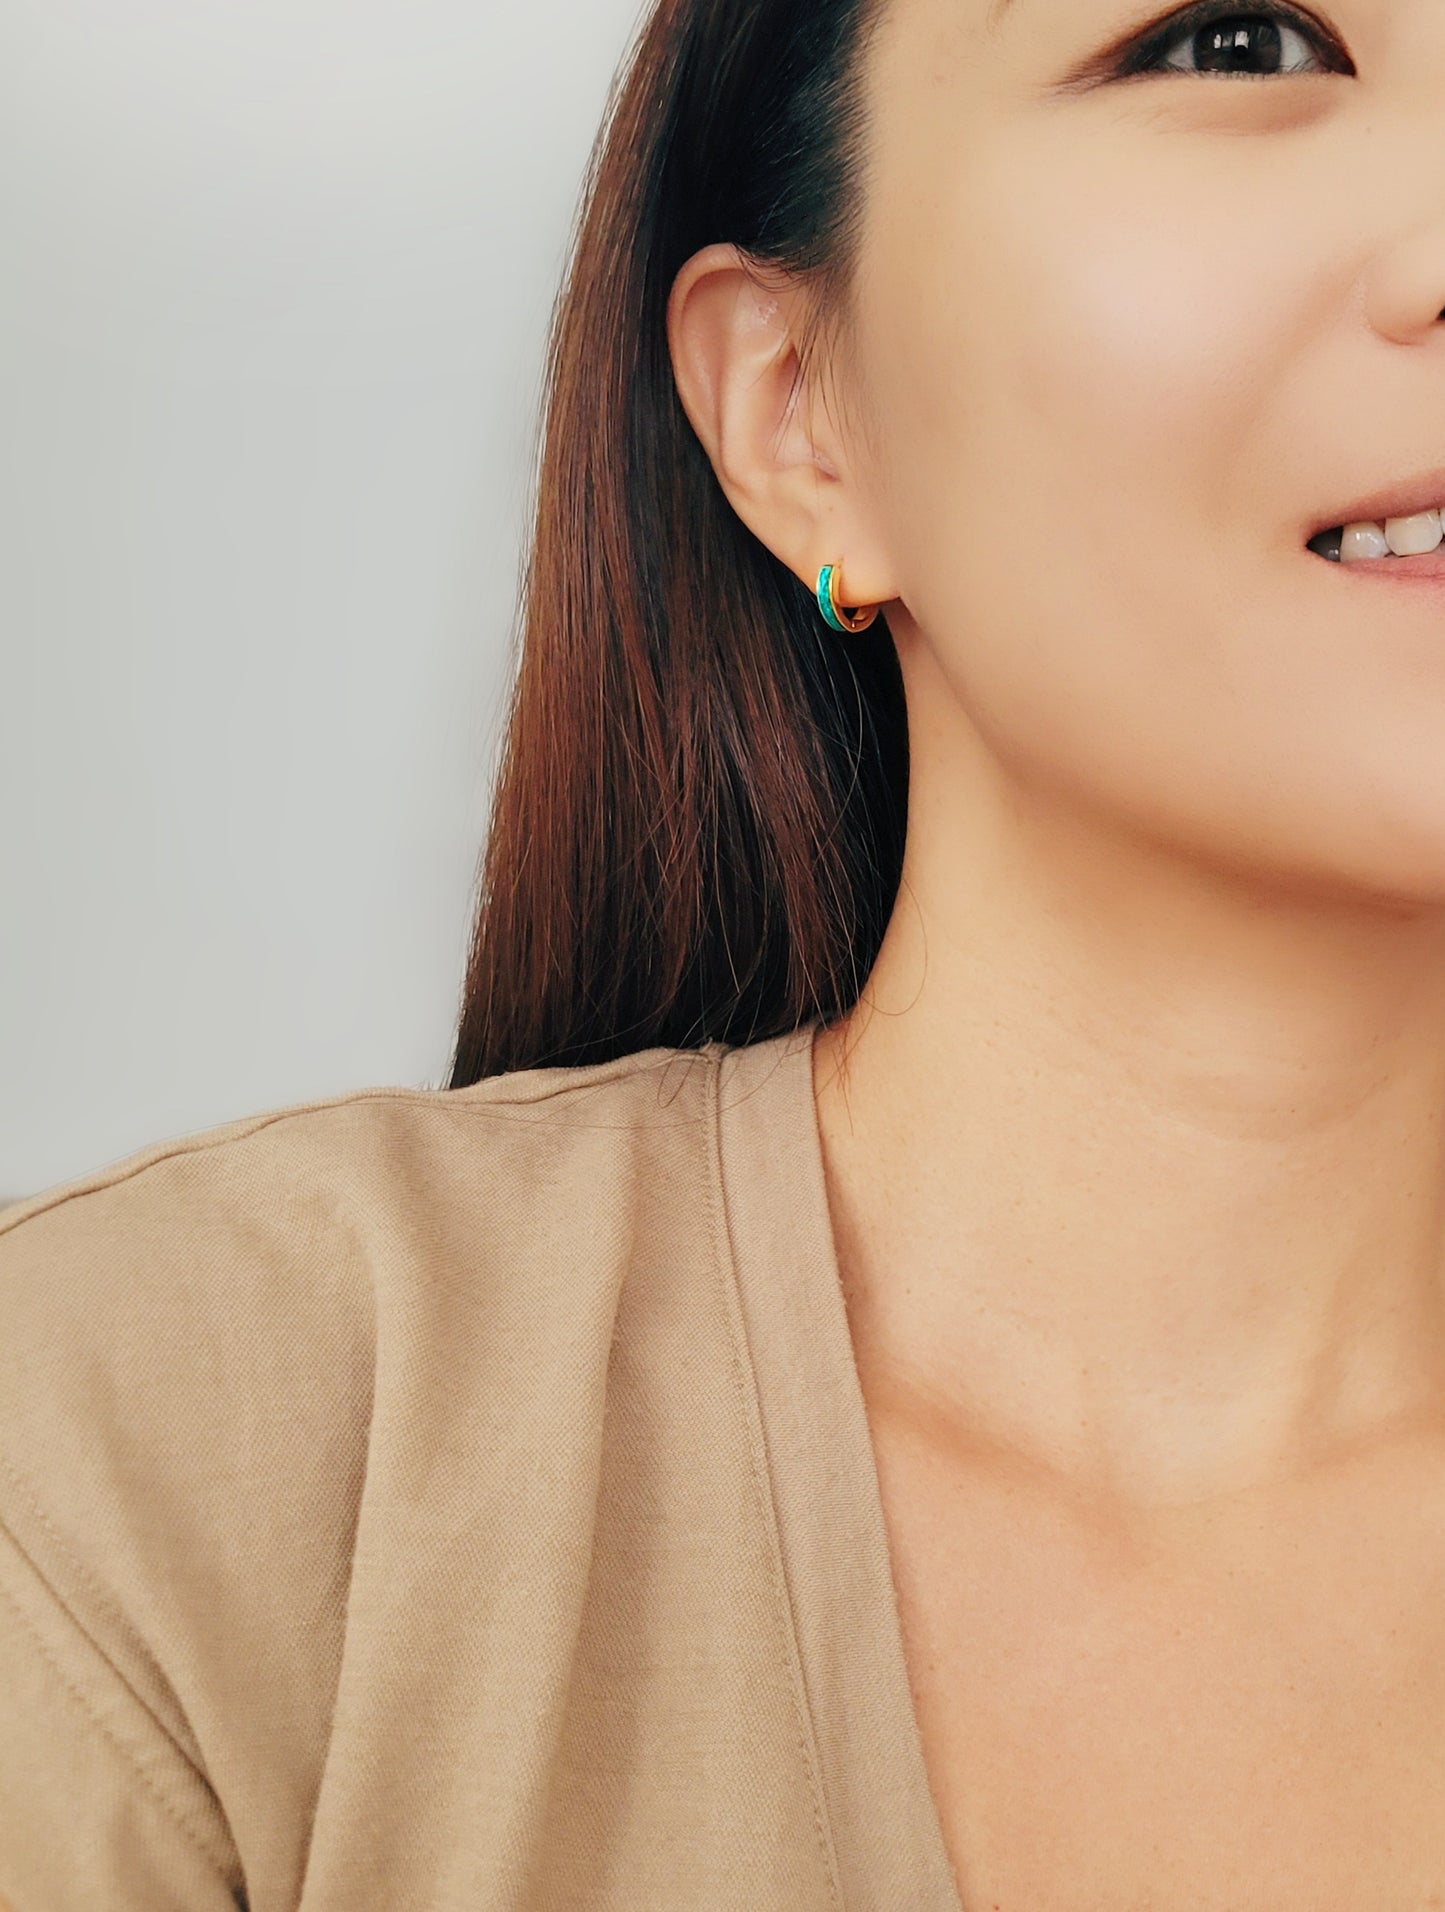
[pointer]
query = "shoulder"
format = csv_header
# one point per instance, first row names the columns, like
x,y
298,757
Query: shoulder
x,y
167,1265
289,1163
283,1204
202,1339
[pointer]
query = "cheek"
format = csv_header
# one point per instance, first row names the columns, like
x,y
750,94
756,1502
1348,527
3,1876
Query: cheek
x,y
1066,332
1083,375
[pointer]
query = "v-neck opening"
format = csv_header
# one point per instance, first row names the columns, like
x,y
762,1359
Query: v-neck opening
x,y
827,1500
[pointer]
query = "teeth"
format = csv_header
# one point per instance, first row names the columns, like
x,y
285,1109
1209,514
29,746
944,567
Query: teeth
x,y
1363,541
1408,537
1402,537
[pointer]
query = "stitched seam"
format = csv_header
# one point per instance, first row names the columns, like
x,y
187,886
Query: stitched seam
x,y
97,1590
724,1256
103,1598
105,1732
14,1215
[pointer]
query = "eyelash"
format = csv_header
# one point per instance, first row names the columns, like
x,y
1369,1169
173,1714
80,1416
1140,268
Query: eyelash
x,y
1142,60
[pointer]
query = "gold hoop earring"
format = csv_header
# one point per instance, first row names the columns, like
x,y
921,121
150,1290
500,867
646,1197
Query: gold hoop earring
x,y
833,612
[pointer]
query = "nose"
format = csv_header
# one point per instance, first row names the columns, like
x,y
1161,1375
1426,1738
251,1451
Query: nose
x,y
1405,290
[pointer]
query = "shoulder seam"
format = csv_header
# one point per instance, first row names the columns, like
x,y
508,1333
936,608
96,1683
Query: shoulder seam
x,y
478,1097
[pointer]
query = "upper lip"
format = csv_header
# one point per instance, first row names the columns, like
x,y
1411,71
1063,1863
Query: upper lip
x,y
1423,493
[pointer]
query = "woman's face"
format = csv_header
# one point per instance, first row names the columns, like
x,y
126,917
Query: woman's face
x,y
1131,340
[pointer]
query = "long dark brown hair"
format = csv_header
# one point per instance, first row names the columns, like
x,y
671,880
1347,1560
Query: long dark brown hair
x,y
698,820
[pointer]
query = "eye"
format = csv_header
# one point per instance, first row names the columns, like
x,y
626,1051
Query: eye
x,y
1218,37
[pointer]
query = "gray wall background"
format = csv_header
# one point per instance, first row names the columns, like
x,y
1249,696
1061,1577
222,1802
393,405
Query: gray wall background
x,y
275,286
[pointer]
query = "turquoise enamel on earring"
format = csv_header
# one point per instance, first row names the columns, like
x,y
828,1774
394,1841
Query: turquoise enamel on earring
x,y
833,612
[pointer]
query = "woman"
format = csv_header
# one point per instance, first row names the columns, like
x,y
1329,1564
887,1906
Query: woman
x,y
906,1366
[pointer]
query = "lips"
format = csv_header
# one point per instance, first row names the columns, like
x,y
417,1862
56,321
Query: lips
x,y
1424,492
1424,564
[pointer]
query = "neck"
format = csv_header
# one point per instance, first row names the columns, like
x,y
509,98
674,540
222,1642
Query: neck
x,y
1140,1176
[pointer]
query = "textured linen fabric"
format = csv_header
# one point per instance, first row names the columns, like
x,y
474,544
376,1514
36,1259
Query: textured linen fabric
x,y
458,1501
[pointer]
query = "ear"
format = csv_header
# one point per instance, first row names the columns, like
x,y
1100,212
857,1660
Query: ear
x,y
779,458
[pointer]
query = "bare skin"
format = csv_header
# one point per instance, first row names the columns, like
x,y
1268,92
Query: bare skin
x,y
1134,1142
